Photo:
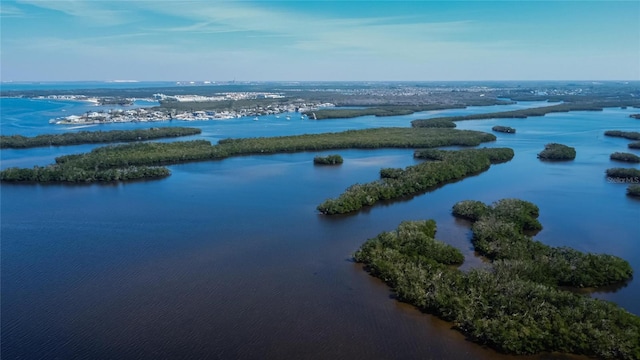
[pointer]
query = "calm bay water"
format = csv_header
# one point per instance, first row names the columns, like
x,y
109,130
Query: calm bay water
x,y
229,259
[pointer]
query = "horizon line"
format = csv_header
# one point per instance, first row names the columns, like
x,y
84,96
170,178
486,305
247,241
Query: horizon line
x,y
315,81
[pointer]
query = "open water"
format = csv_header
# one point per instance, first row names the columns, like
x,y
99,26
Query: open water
x,y
230,260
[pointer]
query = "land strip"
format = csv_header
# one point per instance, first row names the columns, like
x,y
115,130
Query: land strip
x,y
397,110
539,111
444,166
94,137
98,165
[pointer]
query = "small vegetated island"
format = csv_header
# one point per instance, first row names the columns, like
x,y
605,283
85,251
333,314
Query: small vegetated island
x,y
328,160
634,190
624,174
92,137
516,305
631,135
504,129
557,152
626,157
629,176
145,160
442,167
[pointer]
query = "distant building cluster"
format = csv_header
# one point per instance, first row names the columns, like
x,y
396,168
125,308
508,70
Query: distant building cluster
x,y
218,97
154,114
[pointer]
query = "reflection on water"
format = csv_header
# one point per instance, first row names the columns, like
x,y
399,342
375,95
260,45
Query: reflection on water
x,y
229,259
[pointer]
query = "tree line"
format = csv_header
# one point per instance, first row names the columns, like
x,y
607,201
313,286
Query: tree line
x,y
92,137
69,174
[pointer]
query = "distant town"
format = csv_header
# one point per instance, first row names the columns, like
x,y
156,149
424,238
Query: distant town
x,y
169,113
208,101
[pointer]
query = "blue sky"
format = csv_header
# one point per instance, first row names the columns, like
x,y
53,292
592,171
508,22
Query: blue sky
x,y
49,40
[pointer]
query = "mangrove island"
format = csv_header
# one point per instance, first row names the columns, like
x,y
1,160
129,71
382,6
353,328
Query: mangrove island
x,y
443,167
504,129
328,160
631,135
94,137
626,157
516,305
623,175
137,160
557,152
633,190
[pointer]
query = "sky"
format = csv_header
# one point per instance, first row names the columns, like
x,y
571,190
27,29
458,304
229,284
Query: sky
x,y
145,40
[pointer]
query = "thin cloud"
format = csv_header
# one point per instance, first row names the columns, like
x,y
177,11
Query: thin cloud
x,y
93,12
198,28
10,11
403,34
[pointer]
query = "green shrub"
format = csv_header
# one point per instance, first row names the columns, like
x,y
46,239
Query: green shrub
x,y
93,137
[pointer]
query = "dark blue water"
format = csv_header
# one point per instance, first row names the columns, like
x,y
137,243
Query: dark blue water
x,y
229,259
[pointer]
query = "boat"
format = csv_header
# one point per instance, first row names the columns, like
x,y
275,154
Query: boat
x,y
288,117
255,118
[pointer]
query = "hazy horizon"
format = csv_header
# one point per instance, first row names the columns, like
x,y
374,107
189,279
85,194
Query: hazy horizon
x,y
283,41
230,82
